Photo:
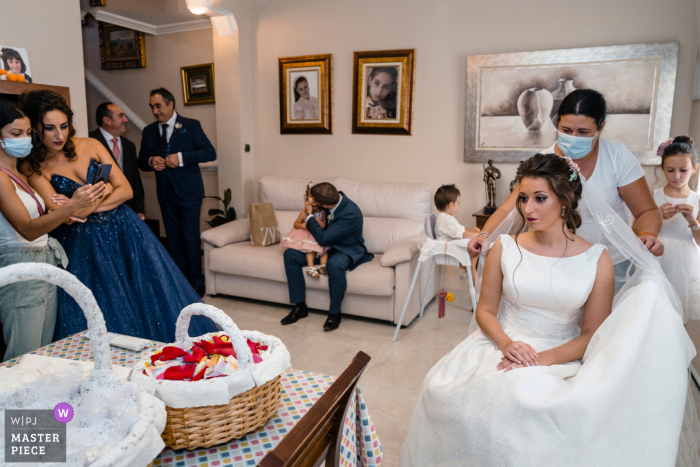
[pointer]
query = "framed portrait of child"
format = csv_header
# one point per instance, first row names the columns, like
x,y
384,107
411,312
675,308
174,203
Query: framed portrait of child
x,y
383,83
306,94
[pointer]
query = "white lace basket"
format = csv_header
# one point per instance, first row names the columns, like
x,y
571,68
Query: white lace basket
x,y
143,442
211,411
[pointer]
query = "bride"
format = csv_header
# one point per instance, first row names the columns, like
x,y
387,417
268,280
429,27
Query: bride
x,y
555,379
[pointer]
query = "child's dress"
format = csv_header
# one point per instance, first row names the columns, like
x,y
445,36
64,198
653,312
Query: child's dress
x,y
681,258
302,240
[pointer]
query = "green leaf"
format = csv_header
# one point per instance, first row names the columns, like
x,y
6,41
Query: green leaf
x,y
217,221
214,212
231,214
214,197
227,197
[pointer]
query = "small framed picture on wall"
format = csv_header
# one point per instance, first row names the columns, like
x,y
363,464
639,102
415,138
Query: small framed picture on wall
x,y
198,84
383,84
306,94
121,48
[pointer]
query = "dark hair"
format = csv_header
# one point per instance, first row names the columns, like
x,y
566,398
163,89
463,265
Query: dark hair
x,y
12,53
445,195
35,104
557,172
390,70
9,112
165,94
325,194
102,112
680,145
584,102
297,81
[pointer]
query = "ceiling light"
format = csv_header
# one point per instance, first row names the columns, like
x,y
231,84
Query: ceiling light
x,y
198,10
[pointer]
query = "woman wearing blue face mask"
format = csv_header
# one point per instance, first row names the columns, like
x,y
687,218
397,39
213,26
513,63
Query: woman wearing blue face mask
x,y
608,166
28,309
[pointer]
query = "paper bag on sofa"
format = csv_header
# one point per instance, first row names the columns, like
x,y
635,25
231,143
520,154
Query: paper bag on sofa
x,y
263,224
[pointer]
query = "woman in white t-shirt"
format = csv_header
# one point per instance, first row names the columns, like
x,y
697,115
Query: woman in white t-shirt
x,y
28,309
608,166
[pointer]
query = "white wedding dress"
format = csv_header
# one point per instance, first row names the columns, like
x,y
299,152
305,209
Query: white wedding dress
x,y
623,405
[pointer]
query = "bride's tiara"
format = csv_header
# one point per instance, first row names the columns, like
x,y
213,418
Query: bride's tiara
x,y
575,171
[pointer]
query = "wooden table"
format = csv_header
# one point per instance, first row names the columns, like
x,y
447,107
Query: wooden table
x,y
481,218
300,389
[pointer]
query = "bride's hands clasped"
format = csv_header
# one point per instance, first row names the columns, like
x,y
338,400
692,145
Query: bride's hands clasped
x,y
518,353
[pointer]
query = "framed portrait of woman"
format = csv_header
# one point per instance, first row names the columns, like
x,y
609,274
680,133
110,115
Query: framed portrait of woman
x,y
306,94
383,83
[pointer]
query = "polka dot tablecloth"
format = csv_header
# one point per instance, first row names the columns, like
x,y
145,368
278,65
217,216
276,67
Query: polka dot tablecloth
x,y
300,390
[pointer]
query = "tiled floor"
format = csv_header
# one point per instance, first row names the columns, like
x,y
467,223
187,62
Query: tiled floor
x,y
392,381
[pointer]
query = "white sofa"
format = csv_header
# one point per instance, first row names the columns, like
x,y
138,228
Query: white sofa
x,y
393,217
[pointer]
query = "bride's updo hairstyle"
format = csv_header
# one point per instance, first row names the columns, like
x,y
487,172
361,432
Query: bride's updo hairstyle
x,y
36,104
556,170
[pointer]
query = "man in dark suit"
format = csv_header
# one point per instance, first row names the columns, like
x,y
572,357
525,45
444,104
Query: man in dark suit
x,y
111,125
343,234
174,146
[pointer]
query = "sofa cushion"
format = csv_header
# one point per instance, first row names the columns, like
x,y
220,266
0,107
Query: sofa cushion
x,y
381,233
231,232
243,259
375,199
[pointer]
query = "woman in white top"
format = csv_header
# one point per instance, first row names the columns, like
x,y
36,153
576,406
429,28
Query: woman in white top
x,y
28,309
608,166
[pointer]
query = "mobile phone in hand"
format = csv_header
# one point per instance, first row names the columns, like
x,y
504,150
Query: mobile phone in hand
x,y
102,174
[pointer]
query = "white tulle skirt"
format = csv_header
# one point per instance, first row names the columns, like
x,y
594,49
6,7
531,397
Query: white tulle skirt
x,y
624,406
681,263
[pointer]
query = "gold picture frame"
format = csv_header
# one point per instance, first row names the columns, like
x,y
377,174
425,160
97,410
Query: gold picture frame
x,y
198,84
310,112
389,110
121,48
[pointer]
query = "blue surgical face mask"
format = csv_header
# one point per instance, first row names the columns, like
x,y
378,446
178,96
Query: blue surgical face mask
x,y
576,147
17,147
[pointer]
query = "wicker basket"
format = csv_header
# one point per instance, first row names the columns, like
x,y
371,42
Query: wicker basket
x,y
196,427
142,443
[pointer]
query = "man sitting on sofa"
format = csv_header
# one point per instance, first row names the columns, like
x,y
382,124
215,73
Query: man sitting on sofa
x,y
343,234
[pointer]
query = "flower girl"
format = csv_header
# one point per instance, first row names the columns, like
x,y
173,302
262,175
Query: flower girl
x,y
680,233
301,239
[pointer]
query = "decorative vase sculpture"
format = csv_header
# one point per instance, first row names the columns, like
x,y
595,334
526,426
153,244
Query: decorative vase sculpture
x,y
569,85
534,108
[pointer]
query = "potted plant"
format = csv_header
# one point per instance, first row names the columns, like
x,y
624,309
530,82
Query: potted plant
x,y
222,217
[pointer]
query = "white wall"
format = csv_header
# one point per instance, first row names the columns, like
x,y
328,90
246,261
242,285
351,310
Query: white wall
x,y
443,33
50,31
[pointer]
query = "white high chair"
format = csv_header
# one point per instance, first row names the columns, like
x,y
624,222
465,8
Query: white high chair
x,y
452,254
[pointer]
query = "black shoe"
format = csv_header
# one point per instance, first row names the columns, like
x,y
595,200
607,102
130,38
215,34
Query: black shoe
x,y
296,314
200,290
332,323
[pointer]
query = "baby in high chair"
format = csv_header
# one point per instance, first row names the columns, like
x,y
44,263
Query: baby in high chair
x,y
301,239
447,199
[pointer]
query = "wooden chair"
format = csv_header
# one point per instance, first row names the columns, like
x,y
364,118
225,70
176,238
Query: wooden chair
x,y
316,438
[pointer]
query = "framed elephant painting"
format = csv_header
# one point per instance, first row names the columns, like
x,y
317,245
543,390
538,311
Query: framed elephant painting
x,y
512,99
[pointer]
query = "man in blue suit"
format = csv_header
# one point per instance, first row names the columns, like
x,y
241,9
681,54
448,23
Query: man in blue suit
x,y
174,146
343,234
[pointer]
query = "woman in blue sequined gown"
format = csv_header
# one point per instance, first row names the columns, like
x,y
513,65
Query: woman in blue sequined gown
x,y
113,252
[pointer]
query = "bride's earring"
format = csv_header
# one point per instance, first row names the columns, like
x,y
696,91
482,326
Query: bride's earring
x,y
563,210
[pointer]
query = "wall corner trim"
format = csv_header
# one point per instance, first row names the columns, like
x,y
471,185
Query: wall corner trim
x,y
125,22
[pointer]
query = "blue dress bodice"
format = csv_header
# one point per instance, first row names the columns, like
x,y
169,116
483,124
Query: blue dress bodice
x,y
66,186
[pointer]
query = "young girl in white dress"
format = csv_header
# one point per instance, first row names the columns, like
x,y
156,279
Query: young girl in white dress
x,y
555,379
680,233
